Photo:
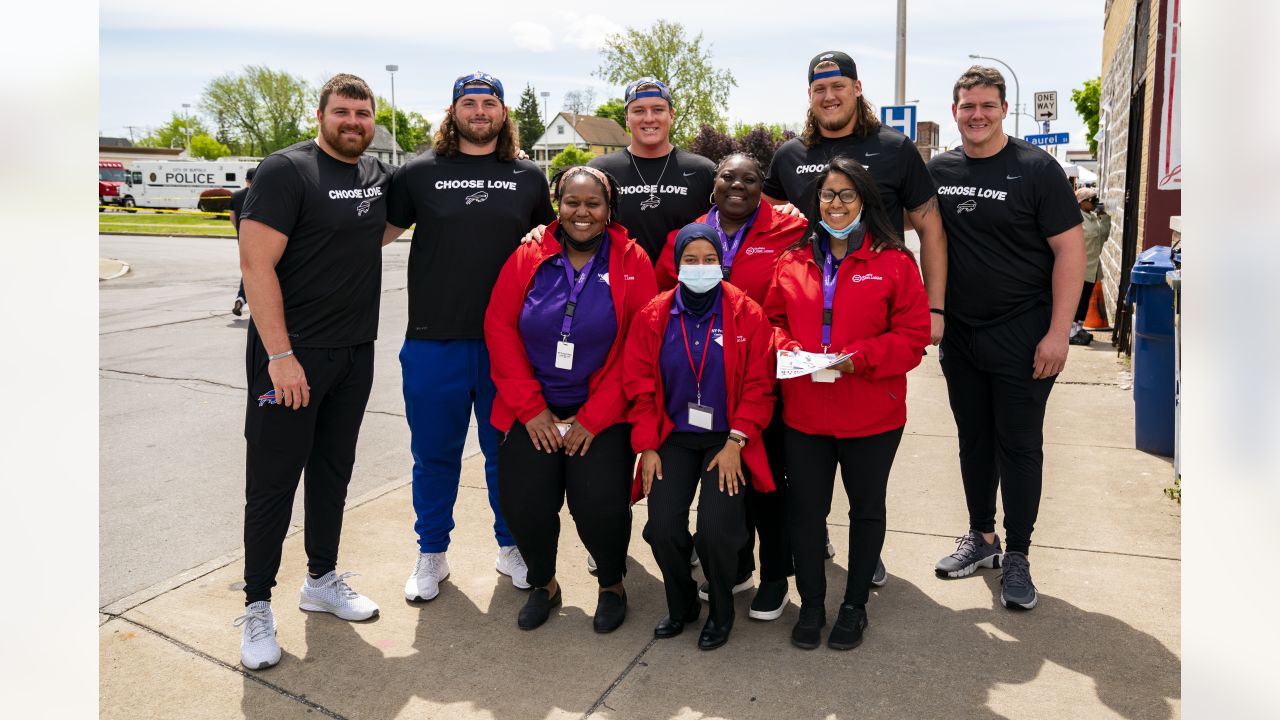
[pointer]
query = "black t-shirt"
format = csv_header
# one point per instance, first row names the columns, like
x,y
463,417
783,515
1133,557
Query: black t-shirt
x,y
999,212
890,156
652,201
237,204
471,212
334,214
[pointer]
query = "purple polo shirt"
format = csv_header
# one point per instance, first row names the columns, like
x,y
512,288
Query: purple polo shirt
x,y
678,383
593,329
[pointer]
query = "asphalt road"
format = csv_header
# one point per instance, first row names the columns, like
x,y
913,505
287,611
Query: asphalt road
x,y
171,409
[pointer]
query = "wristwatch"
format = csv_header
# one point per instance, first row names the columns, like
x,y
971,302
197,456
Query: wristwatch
x,y
738,438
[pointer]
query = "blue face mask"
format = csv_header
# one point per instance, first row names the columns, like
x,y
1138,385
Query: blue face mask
x,y
700,278
856,225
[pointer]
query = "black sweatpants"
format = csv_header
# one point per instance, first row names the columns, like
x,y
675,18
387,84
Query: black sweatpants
x,y
319,439
721,526
533,486
1082,310
864,468
999,413
767,512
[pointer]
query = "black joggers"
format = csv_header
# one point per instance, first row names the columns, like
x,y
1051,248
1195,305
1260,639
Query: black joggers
x,y
722,526
999,412
319,439
864,464
533,485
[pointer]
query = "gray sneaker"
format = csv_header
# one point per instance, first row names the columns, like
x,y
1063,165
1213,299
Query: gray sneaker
x,y
1016,588
881,576
972,552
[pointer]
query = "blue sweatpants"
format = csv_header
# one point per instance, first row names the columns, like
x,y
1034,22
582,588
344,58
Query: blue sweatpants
x,y
443,379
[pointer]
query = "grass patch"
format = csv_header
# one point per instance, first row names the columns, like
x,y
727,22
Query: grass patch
x,y
164,224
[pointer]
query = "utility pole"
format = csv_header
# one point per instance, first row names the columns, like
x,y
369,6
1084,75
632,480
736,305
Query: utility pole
x,y
900,84
546,145
1017,91
395,145
131,128
186,122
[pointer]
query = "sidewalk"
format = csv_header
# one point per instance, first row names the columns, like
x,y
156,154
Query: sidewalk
x,y
1104,641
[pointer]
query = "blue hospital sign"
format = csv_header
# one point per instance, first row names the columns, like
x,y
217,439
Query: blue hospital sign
x,y
901,118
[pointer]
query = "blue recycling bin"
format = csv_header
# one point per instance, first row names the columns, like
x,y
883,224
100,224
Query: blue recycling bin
x,y
1153,351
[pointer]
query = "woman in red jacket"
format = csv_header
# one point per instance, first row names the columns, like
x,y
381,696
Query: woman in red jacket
x,y
555,328
699,374
833,294
754,236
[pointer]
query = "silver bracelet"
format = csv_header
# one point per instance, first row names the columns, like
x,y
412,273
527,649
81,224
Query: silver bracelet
x,y
279,356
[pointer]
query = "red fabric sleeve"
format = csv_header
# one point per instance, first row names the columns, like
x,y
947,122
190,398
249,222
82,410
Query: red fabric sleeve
x,y
639,372
508,361
899,349
755,405
665,271
775,308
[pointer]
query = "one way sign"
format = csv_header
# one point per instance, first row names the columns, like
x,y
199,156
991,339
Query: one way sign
x,y
1047,105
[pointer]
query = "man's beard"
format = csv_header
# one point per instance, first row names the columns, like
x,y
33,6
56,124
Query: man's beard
x,y
840,122
482,137
344,146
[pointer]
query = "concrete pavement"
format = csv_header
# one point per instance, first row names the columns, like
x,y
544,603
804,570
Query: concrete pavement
x,y
1103,643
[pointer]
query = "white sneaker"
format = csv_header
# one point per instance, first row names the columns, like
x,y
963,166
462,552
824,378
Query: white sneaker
x,y
693,559
258,647
331,594
511,563
428,573
591,565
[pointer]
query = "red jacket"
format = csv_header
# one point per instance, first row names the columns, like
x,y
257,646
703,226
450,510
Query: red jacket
x,y
880,311
519,393
753,266
748,374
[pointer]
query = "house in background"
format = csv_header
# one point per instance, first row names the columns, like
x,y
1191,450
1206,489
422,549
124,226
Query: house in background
x,y
122,150
598,135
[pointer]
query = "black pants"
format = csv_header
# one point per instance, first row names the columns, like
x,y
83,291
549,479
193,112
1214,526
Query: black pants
x,y
1082,310
999,412
767,512
319,439
533,486
864,468
722,528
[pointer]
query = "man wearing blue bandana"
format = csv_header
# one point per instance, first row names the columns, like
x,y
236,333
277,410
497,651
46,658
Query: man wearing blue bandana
x,y
471,199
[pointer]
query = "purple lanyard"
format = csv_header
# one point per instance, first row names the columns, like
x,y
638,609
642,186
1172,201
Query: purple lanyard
x,y
731,245
829,273
575,290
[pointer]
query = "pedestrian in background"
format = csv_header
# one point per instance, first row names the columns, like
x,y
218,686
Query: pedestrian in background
x,y
1097,227
237,204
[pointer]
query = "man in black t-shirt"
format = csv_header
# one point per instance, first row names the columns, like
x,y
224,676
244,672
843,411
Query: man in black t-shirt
x,y
237,206
471,200
660,187
840,121
1015,259
311,235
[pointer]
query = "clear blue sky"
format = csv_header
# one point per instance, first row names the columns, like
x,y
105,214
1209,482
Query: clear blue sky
x,y
157,55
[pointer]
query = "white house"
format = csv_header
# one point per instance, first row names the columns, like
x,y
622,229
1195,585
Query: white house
x,y
598,135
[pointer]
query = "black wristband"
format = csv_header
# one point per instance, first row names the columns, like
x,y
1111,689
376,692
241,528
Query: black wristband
x,y
937,311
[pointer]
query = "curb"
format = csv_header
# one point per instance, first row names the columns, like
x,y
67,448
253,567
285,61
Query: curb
x,y
138,234
124,268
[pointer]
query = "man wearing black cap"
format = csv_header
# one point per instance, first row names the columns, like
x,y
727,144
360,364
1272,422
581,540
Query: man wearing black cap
x,y
472,199
841,122
661,187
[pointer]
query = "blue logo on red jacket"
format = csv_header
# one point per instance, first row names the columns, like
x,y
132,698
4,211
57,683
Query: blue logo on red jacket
x,y
267,398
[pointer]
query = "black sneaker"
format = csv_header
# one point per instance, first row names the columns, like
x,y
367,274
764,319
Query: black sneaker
x,y
1082,337
611,610
770,600
846,634
972,552
704,590
537,608
1016,588
807,633
237,308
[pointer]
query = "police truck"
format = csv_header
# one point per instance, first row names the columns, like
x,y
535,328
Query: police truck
x,y
181,184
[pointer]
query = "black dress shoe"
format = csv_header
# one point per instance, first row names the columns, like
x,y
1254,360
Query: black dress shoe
x,y
611,610
807,633
669,628
714,634
846,634
537,608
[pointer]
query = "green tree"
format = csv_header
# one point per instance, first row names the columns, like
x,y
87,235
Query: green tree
x,y
411,128
700,92
173,134
265,109
569,157
1086,101
529,119
613,108
205,147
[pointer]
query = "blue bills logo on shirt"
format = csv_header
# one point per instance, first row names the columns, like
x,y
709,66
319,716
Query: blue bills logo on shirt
x,y
267,398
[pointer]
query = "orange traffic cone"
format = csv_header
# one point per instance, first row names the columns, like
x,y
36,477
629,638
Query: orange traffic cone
x,y
1097,317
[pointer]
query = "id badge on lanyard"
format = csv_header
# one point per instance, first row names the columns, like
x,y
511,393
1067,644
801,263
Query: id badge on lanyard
x,y
829,274
700,416
564,348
